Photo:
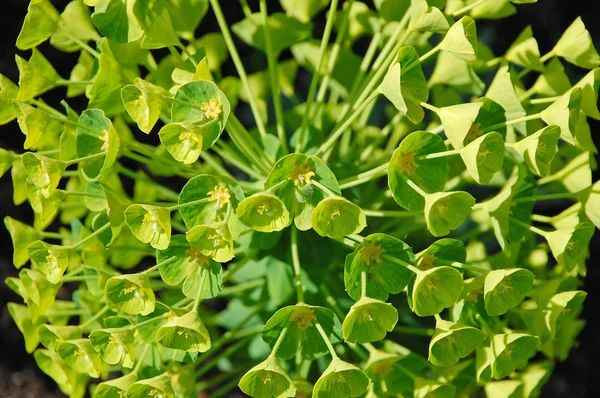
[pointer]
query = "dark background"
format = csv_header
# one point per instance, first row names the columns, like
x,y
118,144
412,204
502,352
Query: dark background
x,y
19,375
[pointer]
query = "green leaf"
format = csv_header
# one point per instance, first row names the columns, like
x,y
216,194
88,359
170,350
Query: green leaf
x,y
143,102
461,39
576,46
205,280
374,256
130,293
562,308
75,27
96,135
341,379
369,320
452,342
36,76
564,113
426,18
497,9
184,141
425,388
303,11
302,334
267,379
203,104
263,212
158,386
70,382
408,163
22,235
150,224
50,259
185,15
8,93
446,211
28,327
159,32
34,123
568,245
539,148
436,289
44,172
524,51
484,157
121,21
115,387
39,24
216,53
115,346
80,356
504,389
455,72
291,181
510,350
51,335
405,85
45,208
337,217
184,260
553,81
38,292
186,333
105,92
441,251
285,31
589,85
502,91
212,240
506,288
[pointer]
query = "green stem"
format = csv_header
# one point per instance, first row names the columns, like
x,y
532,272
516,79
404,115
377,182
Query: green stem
x,y
429,53
157,266
467,8
94,318
537,101
272,69
234,268
324,188
402,263
199,295
239,66
278,342
363,284
513,121
392,213
226,153
193,203
64,82
336,134
562,195
54,235
85,194
364,66
413,185
141,359
90,236
78,278
216,166
438,318
315,77
82,159
529,227
413,330
365,177
469,267
246,144
189,55
326,340
296,264
241,287
439,154
246,8
169,193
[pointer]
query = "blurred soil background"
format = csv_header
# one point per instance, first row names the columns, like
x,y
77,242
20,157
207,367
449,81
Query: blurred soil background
x,y
19,375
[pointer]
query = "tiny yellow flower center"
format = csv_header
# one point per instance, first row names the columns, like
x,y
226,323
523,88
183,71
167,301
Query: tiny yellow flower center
x,y
267,377
365,316
441,210
189,139
301,174
371,252
216,239
407,163
262,209
426,261
183,332
221,195
303,317
198,257
104,137
212,109
335,214
541,147
52,260
151,218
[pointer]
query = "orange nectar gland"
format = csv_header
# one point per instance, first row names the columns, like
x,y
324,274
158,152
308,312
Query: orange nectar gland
x,y
221,195
371,252
212,109
301,174
104,137
303,317
198,257
152,218
407,163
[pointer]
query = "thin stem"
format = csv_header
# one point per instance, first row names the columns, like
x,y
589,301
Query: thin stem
x,y
437,155
438,318
200,291
90,236
246,144
467,8
82,44
296,264
324,188
562,195
157,266
363,284
537,101
193,203
336,134
138,366
529,227
429,53
432,108
469,267
365,177
234,268
513,121
315,78
94,318
78,278
392,213
326,340
364,66
402,263
272,69
413,185
246,8
84,158
189,55
64,82
278,342
239,66
54,235
85,194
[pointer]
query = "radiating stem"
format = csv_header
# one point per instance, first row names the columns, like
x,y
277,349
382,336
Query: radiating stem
x,y
193,203
90,236
529,227
364,177
296,264
467,8
392,213
326,340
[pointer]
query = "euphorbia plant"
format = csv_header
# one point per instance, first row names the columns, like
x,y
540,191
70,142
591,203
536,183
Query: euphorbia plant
x,y
294,254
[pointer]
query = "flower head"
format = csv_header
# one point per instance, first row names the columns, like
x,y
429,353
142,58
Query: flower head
x,y
212,109
301,174
221,195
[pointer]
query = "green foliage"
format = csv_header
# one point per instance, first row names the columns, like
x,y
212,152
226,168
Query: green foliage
x,y
177,213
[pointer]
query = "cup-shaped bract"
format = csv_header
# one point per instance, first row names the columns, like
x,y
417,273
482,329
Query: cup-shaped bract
x,y
263,212
150,224
45,173
569,245
186,333
341,379
525,52
436,289
214,241
576,46
37,291
375,256
484,157
22,236
369,320
451,342
8,93
563,307
405,85
441,252
46,208
36,76
539,148
143,102
446,211
509,351
426,17
589,85
70,381
115,387
182,140
52,335
98,140
565,113
337,217
266,380
425,388
159,31
81,356
52,260
34,123
461,39
29,328
223,195
114,345
506,288
504,389
158,386
302,333
203,104
130,293
409,163
291,179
